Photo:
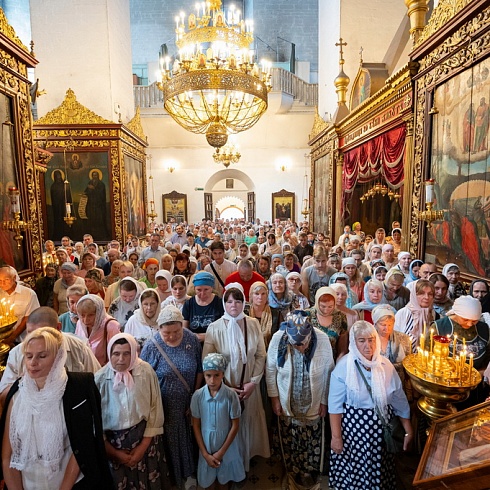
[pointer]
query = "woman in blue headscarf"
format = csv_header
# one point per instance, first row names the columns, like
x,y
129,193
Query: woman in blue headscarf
x,y
299,363
413,270
373,296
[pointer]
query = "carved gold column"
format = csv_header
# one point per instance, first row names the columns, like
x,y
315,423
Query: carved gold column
x,y
337,226
417,10
408,185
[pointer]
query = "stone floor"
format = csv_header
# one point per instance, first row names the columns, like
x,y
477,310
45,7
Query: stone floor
x,y
266,474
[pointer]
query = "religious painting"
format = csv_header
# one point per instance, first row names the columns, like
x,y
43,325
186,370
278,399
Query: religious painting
x,y
135,196
460,160
283,205
456,443
321,199
174,206
10,253
361,89
83,187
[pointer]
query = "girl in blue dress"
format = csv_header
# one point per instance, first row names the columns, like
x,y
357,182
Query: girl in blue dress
x,y
215,419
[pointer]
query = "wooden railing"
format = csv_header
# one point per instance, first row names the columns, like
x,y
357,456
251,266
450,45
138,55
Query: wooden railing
x,y
146,96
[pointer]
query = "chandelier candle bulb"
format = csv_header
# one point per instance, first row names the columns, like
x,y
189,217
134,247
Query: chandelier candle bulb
x,y
429,190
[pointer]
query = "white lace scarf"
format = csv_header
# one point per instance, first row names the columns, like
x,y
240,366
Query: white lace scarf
x,y
236,340
354,381
36,424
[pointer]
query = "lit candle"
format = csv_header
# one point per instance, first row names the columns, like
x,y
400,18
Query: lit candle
x,y
431,340
177,22
464,343
454,345
471,366
434,364
426,361
456,360
422,338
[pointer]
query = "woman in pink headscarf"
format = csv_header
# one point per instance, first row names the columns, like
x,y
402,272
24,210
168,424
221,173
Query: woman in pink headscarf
x,y
132,416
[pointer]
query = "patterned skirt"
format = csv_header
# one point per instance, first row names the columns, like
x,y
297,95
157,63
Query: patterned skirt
x,y
301,445
150,473
364,462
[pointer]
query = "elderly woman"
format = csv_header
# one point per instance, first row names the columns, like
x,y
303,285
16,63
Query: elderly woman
x,y
325,317
343,278
93,282
138,273
178,297
456,288
163,278
340,289
95,325
203,308
175,355
394,345
365,390
479,289
411,319
260,309
124,306
68,320
299,363
280,300
240,339
151,268
404,260
52,428
373,295
300,302
132,417
114,274
143,325
472,335
68,278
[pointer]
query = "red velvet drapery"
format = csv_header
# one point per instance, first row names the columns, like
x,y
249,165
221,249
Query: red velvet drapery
x,y
382,155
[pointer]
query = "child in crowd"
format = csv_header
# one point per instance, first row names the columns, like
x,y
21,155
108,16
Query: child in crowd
x,y
216,426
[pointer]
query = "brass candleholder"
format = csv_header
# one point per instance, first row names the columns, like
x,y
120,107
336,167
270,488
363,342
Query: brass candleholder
x,y
430,215
442,379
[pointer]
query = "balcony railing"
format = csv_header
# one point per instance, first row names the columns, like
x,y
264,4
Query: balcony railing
x,y
146,96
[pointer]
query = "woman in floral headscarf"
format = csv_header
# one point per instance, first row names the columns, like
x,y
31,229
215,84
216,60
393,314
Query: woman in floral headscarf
x,y
133,442
299,363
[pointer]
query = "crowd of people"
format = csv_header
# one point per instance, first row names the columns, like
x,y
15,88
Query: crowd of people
x,y
196,348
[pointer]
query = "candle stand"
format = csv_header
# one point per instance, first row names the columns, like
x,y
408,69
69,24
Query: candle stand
x,y
441,378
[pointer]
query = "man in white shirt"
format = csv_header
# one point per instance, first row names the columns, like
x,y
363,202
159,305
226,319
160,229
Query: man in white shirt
x,y
220,267
153,251
22,298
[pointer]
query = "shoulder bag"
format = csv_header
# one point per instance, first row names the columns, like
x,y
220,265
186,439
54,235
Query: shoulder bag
x,y
393,431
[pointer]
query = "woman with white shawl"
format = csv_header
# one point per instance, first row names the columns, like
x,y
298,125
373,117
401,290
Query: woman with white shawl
x,y
410,319
132,416
144,322
359,458
240,339
51,423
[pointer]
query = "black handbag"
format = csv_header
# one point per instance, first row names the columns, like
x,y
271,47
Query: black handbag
x,y
393,431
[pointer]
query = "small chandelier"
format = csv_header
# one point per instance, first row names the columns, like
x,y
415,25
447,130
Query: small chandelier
x,y
215,86
226,155
151,213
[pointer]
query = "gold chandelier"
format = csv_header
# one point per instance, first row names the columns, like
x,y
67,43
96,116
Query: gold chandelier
x,y
215,86
226,155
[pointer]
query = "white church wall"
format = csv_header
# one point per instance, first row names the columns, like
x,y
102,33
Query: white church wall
x,y
86,48
277,139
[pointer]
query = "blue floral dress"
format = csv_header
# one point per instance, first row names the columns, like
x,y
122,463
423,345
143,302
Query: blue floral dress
x,y
177,435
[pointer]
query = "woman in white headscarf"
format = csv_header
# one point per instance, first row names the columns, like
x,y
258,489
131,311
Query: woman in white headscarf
x,y
51,423
163,279
240,339
95,325
359,458
410,319
144,323
132,416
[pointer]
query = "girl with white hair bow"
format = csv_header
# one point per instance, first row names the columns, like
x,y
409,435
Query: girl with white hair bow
x,y
359,458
